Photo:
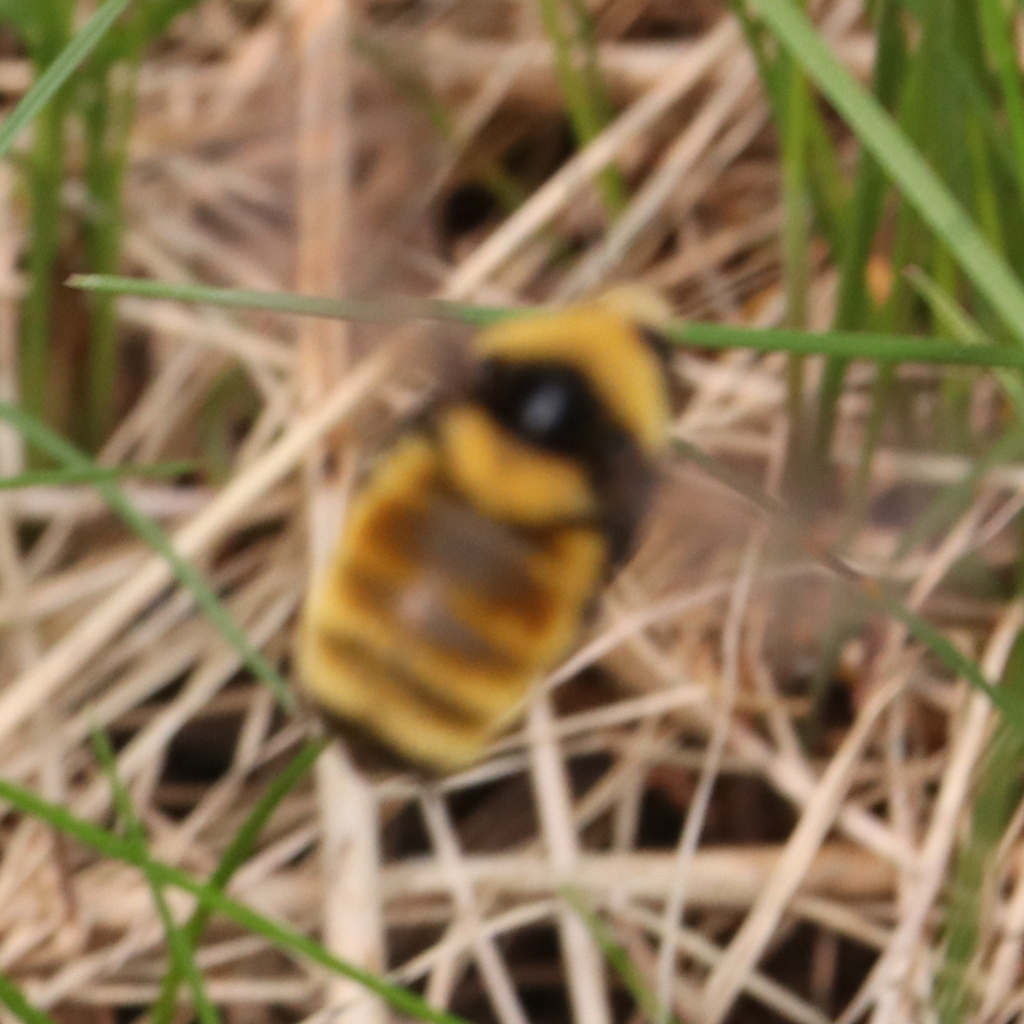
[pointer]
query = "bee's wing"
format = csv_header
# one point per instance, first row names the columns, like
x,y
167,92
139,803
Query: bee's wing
x,y
695,532
629,488
433,369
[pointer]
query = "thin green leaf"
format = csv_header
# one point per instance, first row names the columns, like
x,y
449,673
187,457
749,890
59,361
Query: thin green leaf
x,y
796,226
93,475
154,18
237,853
999,32
182,951
14,999
945,309
59,71
285,938
919,183
996,798
416,90
795,199
408,83
853,305
619,959
107,102
583,104
384,310
44,177
884,348
954,499
881,348
961,325
869,590
38,434
26,19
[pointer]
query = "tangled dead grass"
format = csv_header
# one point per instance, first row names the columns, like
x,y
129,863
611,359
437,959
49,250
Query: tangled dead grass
x,y
760,850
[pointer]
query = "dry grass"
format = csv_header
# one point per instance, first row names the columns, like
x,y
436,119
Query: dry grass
x,y
805,883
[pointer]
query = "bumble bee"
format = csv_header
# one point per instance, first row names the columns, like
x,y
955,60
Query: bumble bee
x,y
470,557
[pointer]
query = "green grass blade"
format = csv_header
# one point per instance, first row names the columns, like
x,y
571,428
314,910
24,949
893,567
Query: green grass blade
x,y
237,852
619,959
884,348
1010,703
50,81
155,16
384,310
796,231
44,179
183,956
882,389
244,842
580,90
39,435
119,848
795,201
56,54
585,24
182,951
14,999
987,200
826,187
26,21
999,31
961,325
93,475
881,348
919,183
108,114
570,79
410,85
956,498
853,304
876,596
945,309
997,795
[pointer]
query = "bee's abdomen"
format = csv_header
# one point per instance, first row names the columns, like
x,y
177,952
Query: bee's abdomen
x,y
434,620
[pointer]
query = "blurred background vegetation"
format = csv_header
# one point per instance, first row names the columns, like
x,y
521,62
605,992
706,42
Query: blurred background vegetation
x,y
817,182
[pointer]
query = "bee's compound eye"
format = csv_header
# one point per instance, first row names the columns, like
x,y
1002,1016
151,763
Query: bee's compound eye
x,y
546,410
545,404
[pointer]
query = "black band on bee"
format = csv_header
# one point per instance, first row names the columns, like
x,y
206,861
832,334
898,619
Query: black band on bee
x,y
548,405
552,406
369,750
373,664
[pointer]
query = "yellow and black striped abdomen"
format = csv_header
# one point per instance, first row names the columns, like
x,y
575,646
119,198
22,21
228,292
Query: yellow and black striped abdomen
x,y
434,618
467,563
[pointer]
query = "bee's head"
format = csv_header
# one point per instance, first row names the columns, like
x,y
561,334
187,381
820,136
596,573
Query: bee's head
x,y
548,405
564,415
562,381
